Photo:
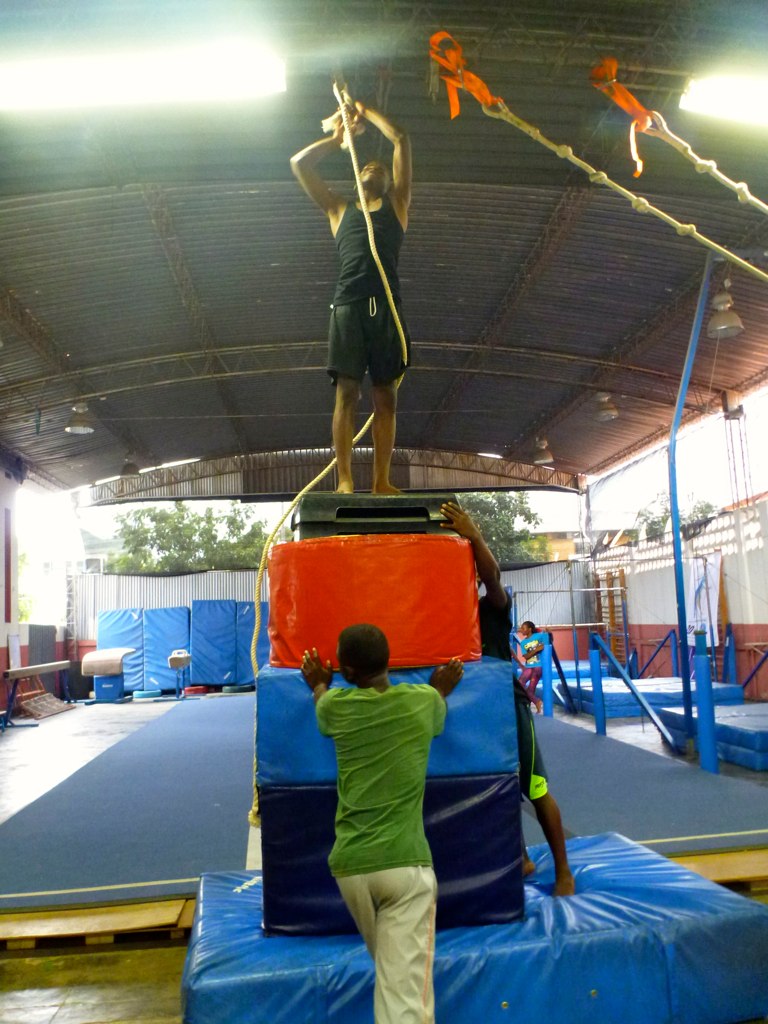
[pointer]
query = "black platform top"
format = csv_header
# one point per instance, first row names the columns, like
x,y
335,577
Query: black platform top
x,y
323,514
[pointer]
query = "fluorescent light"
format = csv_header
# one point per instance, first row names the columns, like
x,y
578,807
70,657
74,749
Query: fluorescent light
x,y
220,71
741,98
489,455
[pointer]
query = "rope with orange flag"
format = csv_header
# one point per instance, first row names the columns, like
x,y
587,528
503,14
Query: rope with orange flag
x,y
450,56
603,77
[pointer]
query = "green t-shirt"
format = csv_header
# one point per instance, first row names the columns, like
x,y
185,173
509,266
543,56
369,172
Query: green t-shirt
x,y
382,746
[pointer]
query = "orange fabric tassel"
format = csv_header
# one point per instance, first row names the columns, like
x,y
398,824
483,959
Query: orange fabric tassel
x,y
603,77
452,59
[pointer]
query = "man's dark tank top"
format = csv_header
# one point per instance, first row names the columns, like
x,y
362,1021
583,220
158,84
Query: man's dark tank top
x,y
495,626
359,277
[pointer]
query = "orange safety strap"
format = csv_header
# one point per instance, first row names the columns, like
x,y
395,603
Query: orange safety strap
x,y
603,77
452,59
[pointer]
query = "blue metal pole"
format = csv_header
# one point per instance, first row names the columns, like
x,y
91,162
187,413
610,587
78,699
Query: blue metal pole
x,y
546,677
705,707
598,701
674,508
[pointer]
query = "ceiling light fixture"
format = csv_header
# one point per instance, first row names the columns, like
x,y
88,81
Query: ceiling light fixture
x,y
725,322
741,98
80,422
217,71
605,408
542,456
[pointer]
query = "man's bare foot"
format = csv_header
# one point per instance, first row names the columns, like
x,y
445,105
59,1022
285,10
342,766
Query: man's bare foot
x,y
564,884
345,488
385,489
528,867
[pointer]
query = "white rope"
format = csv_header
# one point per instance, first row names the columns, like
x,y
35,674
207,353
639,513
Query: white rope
x,y
703,166
639,203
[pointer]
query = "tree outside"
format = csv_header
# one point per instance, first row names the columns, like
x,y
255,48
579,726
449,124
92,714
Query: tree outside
x,y
180,539
497,514
655,517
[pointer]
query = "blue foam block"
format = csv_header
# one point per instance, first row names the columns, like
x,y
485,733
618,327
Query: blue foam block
x,y
741,733
123,627
165,630
213,643
644,941
109,687
473,829
480,735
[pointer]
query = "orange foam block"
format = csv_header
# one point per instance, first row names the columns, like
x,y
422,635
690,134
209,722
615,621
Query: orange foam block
x,y
420,589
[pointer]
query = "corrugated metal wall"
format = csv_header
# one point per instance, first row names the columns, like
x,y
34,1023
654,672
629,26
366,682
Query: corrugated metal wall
x,y
93,593
543,593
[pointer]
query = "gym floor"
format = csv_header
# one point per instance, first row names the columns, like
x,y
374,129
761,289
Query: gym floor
x,y
131,983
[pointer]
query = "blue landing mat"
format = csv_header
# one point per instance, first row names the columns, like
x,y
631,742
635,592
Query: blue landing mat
x,y
660,692
665,803
643,941
741,733
144,819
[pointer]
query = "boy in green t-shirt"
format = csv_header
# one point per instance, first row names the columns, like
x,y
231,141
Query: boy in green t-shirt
x,y
381,859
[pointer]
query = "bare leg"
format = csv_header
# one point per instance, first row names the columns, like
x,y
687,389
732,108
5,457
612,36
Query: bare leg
x,y
347,397
528,866
384,423
548,815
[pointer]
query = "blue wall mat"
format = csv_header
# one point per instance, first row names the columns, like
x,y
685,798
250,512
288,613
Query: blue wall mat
x,y
213,643
480,735
643,942
246,621
473,828
123,627
165,630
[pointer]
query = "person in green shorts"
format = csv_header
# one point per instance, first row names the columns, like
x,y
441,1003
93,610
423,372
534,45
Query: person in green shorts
x,y
381,858
495,627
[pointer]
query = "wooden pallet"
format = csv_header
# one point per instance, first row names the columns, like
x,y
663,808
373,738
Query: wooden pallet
x,y
743,869
97,925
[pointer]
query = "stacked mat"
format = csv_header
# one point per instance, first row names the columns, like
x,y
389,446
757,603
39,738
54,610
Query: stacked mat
x,y
471,805
643,942
741,733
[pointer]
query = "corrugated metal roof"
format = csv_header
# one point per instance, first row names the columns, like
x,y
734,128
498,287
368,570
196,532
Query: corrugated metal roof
x,y
165,267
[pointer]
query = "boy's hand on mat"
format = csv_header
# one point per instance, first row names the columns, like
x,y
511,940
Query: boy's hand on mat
x,y
445,677
314,671
459,520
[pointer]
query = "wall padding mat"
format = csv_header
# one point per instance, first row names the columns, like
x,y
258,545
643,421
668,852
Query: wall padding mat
x,y
473,829
213,643
123,627
644,941
319,586
165,630
245,625
741,733
480,735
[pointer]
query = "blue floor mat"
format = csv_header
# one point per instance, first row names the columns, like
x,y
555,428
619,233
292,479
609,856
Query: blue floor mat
x,y
144,819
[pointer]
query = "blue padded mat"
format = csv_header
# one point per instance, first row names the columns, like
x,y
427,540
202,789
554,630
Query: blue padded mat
x,y
165,630
245,624
741,733
123,627
659,692
643,942
473,828
213,642
144,819
480,735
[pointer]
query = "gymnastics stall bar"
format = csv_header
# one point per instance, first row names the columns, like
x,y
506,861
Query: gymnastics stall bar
x,y
106,667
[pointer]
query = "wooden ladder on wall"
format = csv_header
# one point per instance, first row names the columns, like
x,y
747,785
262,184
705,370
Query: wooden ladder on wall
x,y
611,599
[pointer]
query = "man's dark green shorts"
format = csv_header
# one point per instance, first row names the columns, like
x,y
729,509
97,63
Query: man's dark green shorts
x,y
363,336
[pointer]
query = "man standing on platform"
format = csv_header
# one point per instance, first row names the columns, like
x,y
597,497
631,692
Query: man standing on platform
x,y
362,333
495,627
381,859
